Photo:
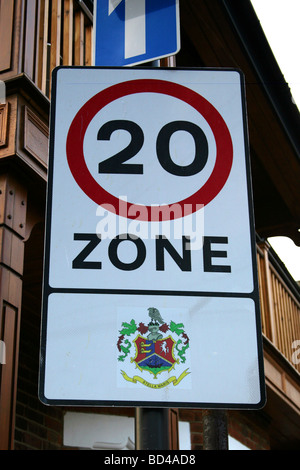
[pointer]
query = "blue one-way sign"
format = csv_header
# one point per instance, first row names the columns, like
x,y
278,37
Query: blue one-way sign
x,y
129,32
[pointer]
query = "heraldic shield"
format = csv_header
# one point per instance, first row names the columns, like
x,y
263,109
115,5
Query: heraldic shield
x,y
155,356
154,351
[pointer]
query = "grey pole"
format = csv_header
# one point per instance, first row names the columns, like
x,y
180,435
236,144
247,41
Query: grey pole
x,y
152,425
152,429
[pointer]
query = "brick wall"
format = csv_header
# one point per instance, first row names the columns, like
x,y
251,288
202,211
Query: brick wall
x,y
196,427
38,427
244,430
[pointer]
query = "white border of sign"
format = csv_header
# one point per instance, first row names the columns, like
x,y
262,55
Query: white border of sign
x,y
118,302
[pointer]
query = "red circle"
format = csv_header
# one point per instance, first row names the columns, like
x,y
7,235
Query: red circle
x,y
99,195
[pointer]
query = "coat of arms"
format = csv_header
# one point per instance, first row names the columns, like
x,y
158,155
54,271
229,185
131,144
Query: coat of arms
x,y
155,349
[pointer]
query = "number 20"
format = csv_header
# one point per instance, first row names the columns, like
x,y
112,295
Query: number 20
x,y
116,165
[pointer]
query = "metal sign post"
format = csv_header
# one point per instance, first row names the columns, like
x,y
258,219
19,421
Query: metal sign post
x,y
215,432
152,429
152,425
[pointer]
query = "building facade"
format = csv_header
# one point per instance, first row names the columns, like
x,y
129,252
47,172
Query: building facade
x,y
37,36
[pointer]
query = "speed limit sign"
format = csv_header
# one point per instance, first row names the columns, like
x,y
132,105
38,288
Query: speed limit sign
x,y
149,226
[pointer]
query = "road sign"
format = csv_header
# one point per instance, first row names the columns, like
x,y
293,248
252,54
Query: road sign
x,y
150,289
129,32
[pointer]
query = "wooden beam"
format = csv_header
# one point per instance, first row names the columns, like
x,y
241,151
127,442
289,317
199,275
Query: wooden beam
x,y
30,39
79,38
6,33
55,35
13,200
41,66
68,33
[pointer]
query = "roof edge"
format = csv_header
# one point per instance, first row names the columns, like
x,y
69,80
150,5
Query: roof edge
x,y
248,27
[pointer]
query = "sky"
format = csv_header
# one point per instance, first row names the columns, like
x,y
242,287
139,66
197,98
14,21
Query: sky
x,y
280,22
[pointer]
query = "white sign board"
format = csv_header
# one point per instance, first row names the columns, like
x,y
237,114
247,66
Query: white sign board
x,y
150,289
129,32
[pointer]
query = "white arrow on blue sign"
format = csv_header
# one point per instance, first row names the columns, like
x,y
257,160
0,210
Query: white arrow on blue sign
x,y
129,32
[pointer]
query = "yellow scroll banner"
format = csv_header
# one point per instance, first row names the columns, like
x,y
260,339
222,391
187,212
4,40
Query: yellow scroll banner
x,y
173,380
